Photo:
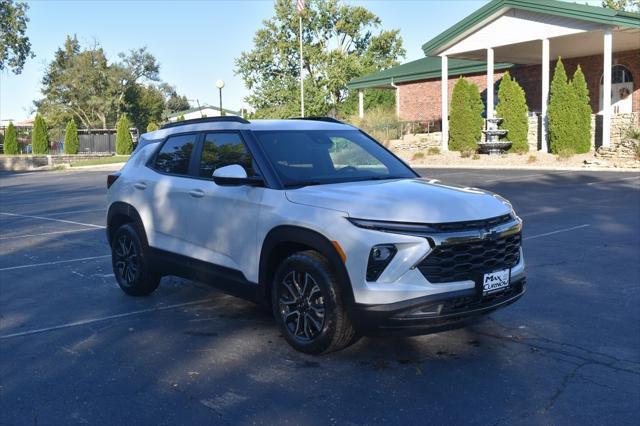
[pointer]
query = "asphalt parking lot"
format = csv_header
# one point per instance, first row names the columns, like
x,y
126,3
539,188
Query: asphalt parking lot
x,y
76,349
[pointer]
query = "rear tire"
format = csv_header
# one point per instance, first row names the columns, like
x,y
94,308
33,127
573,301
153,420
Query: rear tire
x,y
130,262
308,305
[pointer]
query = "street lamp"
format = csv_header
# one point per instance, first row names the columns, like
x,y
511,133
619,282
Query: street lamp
x,y
220,85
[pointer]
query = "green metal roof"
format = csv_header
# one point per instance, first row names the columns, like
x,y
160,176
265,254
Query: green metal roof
x,y
421,69
565,9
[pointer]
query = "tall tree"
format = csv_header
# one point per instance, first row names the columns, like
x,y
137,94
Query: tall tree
x,y
626,5
40,136
173,101
512,108
11,141
340,41
143,104
15,47
81,83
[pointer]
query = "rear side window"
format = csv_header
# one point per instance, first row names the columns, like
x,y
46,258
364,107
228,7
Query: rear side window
x,y
175,154
223,149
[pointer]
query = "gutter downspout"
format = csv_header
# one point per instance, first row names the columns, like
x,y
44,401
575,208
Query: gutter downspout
x,y
397,99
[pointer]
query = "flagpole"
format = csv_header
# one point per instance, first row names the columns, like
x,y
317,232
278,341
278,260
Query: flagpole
x,y
301,70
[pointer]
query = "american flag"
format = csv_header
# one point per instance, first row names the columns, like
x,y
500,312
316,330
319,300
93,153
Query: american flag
x,y
300,6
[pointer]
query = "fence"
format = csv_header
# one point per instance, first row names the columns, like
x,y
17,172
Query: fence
x,y
91,140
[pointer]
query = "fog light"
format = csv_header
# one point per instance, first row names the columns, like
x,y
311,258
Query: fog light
x,y
379,257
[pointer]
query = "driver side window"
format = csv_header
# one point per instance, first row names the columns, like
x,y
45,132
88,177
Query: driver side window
x,y
223,149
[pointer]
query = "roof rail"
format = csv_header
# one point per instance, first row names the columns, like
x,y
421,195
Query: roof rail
x,y
327,119
224,118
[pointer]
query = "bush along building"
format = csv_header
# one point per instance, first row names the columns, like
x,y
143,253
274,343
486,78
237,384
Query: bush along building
x,y
527,38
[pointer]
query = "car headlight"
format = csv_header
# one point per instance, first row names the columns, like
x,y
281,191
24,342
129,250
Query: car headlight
x,y
395,227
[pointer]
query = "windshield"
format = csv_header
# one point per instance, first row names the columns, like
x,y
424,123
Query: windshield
x,y
312,157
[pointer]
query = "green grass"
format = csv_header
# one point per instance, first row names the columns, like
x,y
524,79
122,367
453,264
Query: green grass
x,y
101,160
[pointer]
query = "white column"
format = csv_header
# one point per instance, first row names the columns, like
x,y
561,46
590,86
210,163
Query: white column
x,y
606,90
489,83
444,98
544,146
360,104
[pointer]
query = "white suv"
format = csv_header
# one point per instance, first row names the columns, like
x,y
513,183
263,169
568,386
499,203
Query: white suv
x,y
315,219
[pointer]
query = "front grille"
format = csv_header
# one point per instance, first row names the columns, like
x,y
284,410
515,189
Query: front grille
x,y
467,261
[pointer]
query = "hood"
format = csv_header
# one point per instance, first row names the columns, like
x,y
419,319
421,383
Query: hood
x,y
402,200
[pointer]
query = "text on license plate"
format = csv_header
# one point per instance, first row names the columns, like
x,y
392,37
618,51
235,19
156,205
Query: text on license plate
x,y
495,281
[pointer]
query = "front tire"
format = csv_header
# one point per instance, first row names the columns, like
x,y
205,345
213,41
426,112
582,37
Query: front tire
x,y
129,259
308,305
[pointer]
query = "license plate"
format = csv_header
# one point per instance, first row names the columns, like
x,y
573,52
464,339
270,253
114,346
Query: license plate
x,y
495,281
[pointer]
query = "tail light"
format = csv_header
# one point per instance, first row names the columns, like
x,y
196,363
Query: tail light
x,y
111,179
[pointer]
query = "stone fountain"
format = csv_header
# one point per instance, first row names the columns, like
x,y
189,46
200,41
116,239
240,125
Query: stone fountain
x,y
492,144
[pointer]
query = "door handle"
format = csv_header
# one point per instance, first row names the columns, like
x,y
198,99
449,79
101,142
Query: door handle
x,y
140,185
196,193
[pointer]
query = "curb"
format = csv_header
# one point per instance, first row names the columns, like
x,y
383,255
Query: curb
x,y
539,168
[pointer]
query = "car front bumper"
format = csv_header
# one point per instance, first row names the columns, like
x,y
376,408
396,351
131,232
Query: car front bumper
x,y
434,313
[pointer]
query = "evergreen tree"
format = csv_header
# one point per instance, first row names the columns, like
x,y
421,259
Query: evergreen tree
x,y
71,141
40,137
11,141
512,108
124,142
465,117
152,126
582,111
560,113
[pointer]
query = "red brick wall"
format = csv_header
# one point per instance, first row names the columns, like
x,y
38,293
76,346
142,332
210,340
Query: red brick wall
x,y
420,101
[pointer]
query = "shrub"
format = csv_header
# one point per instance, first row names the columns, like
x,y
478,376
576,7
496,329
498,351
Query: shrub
x,y
11,141
433,150
180,117
633,133
581,142
380,122
124,142
561,113
465,117
532,159
512,108
71,141
475,156
418,156
152,126
466,153
40,136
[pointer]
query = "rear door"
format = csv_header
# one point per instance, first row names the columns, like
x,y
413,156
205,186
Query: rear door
x,y
168,193
221,221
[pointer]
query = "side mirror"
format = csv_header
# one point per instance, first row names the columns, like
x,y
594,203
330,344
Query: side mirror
x,y
235,174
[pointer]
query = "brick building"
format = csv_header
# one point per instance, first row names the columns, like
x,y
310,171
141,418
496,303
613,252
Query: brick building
x,y
525,37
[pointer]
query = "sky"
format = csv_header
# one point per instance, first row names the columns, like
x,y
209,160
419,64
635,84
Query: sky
x,y
195,42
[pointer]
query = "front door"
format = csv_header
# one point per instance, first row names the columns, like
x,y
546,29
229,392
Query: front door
x,y
222,220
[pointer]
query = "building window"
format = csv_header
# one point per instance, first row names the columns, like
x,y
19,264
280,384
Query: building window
x,y
619,74
621,90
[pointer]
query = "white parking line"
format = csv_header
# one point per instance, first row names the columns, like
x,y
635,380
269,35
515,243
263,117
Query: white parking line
x,y
48,233
34,265
53,220
110,317
556,232
77,211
